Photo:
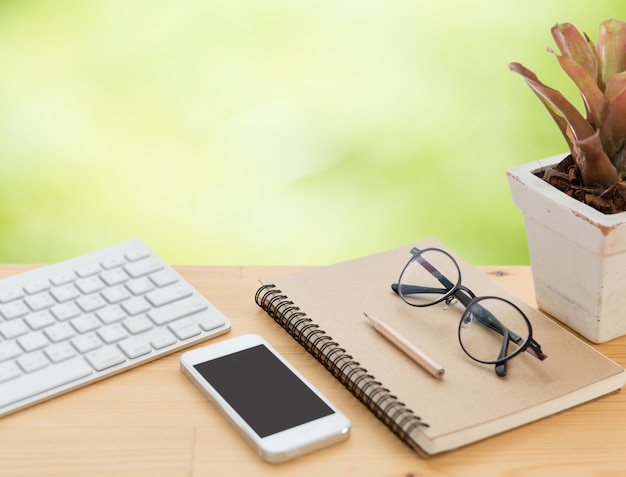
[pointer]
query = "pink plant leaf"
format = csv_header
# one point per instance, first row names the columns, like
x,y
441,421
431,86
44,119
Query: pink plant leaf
x,y
613,129
595,102
558,106
611,50
572,43
615,86
596,167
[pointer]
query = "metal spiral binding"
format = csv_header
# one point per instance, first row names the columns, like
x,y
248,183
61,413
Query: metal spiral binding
x,y
378,399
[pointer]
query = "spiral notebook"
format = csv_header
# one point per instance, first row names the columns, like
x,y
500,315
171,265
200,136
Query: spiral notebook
x,y
322,308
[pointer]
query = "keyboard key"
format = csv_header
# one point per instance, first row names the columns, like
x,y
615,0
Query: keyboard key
x,y
112,334
13,329
140,286
137,254
59,352
90,285
134,347
105,358
162,339
184,328
14,310
33,341
163,278
210,322
88,270
91,303
114,277
32,362
9,371
176,310
65,311
169,294
65,293
11,294
85,343
143,267
40,381
85,323
138,324
111,314
40,301
62,279
39,320
113,262
135,306
116,294
59,332
36,287
9,350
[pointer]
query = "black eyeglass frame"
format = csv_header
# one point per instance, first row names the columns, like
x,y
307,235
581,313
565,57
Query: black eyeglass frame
x,y
469,300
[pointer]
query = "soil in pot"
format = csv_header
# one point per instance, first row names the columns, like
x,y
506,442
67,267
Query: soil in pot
x,y
566,177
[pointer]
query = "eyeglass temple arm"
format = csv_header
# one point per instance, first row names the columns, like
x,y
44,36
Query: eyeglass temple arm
x,y
459,294
486,318
416,290
434,272
534,348
501,367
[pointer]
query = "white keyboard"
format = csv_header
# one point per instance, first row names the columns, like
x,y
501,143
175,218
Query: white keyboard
x,y
69,324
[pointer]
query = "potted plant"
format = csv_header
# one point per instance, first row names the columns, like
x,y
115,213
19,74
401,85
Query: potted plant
x,y
574,205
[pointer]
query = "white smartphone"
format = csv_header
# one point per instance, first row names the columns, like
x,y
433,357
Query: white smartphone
x,y
275,408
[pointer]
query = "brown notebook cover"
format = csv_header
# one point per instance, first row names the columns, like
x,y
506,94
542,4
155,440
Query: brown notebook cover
x,y
323,309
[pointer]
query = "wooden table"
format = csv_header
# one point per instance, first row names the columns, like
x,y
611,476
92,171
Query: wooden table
x,y
151,421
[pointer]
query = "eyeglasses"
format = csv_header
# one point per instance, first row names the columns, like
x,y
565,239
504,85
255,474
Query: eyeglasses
x,y
432,276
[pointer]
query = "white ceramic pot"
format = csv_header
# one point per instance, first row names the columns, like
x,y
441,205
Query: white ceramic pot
x,y
577,255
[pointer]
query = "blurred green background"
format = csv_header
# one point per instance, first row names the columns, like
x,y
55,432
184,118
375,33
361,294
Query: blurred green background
x,y
272,131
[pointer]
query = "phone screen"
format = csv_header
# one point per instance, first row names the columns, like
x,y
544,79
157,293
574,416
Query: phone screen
x,y
263,391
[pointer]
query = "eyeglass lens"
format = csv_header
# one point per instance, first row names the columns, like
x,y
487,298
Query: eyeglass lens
x,y
492,330
428,277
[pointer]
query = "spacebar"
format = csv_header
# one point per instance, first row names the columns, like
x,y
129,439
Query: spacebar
x,y
43,380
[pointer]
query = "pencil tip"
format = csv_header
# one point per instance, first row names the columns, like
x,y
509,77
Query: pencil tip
x,y
366,315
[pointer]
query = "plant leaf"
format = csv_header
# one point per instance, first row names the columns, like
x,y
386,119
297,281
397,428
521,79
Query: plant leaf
x,y
572,43
562,111
611,50
615,86
595,166
613,129
595,102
